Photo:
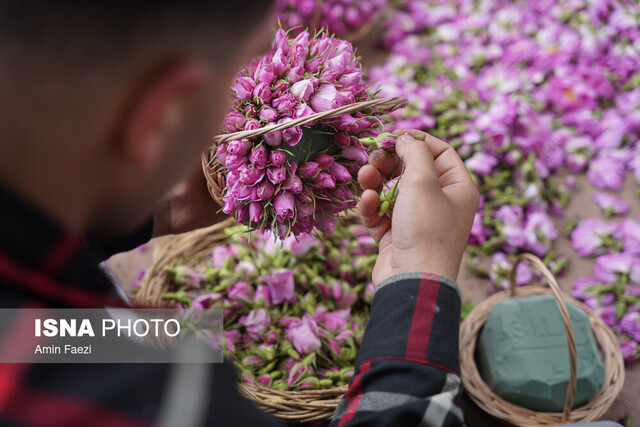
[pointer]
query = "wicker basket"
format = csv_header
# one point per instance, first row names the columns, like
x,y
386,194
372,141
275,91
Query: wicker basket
x,y
193,249
215,177
491,403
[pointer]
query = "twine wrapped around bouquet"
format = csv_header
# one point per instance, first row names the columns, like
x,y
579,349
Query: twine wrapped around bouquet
x,y
193,249
215,177
607,344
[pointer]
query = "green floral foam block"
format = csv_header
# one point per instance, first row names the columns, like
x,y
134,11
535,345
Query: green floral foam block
x,y
523,354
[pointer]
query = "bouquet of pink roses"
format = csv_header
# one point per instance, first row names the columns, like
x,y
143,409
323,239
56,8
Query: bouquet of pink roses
x,y
298,178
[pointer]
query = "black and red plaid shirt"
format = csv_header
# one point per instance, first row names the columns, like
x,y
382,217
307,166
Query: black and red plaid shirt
x,y
406,373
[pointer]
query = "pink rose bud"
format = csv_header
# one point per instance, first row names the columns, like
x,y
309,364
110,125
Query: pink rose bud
x,y
256,212
233,162
239,147
258,156
268,114
313,65
303,338
355,153
344,122
252,124
281,41
285,104
309,170
273,139
336,320
293,184
263,191
360,124
340,173
264,380
325,98
256,322
350,78
250,110
262,93
324,180
280,87
341,139
229,205
277,175
242,214
243,87
281,285
284,203
271,337
304,110
234,121
302,90
280,62
277,158
266,74
295,73
261,296
323,160
246,379
250,175
291,135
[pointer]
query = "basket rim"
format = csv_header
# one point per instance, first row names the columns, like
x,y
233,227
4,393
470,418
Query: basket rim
x,y
494,405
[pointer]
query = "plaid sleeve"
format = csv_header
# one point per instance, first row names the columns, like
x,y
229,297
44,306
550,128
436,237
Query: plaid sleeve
x,y
407,370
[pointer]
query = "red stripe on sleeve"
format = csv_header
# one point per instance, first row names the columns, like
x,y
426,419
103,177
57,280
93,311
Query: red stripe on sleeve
x,y
424,311
60,253
44,285
354,394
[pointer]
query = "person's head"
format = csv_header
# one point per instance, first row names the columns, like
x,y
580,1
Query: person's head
x,y
106,103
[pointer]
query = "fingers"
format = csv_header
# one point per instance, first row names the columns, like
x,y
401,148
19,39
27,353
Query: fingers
x,y
386,163
418,161
368,209
369,177
449,167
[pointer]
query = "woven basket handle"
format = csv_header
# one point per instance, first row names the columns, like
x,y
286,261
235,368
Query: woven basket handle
x,y
568,327
380,104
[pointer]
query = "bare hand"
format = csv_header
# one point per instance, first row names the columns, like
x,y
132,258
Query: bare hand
x,y
434,211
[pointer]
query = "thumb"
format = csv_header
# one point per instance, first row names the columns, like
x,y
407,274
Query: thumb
x,y
417,159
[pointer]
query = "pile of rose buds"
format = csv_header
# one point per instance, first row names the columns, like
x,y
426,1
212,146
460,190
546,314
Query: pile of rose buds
x,y
294,309
528,93
339,17
295,179
614,289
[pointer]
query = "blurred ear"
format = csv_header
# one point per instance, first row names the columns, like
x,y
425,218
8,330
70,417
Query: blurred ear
x,y
156,110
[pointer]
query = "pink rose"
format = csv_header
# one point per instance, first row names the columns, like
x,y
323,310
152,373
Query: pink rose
x,y
302,90
277,175
281,286
258,156
243,87
284,203
325,98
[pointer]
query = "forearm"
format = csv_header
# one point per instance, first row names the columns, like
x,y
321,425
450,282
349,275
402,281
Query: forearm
x,y
407,368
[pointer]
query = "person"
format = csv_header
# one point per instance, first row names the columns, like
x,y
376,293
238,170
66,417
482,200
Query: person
x,y
105,106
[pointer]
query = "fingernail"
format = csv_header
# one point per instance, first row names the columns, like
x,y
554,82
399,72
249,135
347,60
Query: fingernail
x,y
375,156
403,139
